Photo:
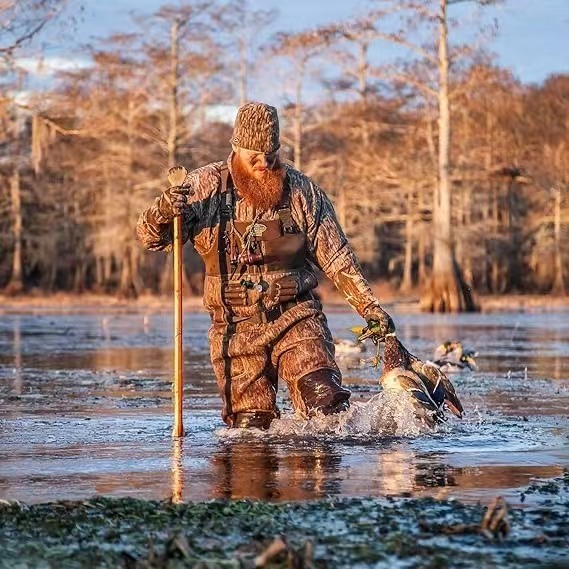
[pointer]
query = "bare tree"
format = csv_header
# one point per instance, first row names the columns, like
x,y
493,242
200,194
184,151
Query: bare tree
x,y
21,20
299,49
244,27
191,78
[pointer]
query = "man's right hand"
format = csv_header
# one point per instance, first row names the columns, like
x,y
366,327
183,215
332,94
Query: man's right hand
x,y
173,201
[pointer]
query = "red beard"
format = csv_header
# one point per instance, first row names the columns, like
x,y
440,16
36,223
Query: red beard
x,y
262,193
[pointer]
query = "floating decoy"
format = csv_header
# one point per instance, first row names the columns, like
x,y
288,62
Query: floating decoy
x,y
452,356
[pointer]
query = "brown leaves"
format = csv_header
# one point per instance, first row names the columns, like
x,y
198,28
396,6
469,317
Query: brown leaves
x,y
301,558
494,526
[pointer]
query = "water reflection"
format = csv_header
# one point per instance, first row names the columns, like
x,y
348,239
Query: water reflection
x,y
17,350
397,472
243,472
59,461
177,470
265,471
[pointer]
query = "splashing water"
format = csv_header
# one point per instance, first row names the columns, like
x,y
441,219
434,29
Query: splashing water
x,y
386,414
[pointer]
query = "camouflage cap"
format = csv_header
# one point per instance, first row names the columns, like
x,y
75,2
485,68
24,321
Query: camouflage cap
x,y
256,128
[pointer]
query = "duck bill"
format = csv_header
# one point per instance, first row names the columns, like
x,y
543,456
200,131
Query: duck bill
x,y
371,332
367,333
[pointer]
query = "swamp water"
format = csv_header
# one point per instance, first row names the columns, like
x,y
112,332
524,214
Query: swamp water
x,y
85,410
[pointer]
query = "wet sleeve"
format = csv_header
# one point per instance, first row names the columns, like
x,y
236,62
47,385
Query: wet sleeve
x,y
156,232
333,254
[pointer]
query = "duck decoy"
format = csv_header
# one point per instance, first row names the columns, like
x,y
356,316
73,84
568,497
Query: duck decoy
x,y
451,356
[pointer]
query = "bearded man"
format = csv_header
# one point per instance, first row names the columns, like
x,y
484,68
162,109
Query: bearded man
x,y
261,227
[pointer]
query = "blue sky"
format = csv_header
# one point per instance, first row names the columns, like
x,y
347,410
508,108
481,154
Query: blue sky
x,y
533,37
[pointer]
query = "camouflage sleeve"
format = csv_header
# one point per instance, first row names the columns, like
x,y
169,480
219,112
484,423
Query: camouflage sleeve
x,y
332,252
156,232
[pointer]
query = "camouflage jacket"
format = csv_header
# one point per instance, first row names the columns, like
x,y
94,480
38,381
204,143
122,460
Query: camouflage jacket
x,y
312,212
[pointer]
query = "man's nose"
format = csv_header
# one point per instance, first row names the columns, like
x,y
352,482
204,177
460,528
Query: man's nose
x,y
262,160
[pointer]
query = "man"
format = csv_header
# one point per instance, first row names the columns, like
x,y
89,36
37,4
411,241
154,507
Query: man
x,y
261,227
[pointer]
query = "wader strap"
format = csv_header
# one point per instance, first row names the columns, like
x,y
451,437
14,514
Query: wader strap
x,y
284,211
224,239
226,195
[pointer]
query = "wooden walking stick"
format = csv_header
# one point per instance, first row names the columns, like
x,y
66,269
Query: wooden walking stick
x,y
176,177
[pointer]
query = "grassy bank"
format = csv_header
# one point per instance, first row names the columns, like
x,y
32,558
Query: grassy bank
x,y
340,533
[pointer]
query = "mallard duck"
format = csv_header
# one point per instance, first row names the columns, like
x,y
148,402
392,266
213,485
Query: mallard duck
x,y
429,387
452,356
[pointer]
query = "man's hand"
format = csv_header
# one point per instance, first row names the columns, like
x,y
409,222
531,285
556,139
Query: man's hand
x,y
173,201
379,323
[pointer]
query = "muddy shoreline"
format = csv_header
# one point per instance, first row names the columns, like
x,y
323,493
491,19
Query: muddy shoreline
x,y
343,532
62,303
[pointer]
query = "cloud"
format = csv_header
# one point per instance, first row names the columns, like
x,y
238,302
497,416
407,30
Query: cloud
x,y
46,66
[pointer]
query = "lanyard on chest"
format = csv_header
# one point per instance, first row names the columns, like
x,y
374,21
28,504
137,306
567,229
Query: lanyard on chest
x,y
244,248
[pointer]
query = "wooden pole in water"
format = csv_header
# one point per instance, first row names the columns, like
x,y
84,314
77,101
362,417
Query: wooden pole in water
x,y
178,430
176,177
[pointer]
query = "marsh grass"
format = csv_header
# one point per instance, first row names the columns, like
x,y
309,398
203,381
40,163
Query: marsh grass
x,y
354,532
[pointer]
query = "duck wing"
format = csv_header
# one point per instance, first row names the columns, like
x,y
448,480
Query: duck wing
x,y
402,379
439,384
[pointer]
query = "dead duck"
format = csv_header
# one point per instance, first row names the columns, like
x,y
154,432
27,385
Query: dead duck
x,y
451,356
430,389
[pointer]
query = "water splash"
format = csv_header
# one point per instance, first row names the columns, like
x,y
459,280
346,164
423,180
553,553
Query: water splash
x,y
386,414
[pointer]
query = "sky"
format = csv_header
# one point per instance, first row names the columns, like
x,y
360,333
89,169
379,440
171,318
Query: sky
x,y
532,40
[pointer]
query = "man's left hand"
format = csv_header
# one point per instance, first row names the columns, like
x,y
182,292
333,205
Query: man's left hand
x,y
379,322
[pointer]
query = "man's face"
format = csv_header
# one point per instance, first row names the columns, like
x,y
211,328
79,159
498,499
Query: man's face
x,y
258,177
257,164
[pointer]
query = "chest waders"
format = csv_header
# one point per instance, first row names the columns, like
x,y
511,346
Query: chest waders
x,y
251,254
259,262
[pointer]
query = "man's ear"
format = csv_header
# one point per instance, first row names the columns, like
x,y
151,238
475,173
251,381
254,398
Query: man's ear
x,y
235,148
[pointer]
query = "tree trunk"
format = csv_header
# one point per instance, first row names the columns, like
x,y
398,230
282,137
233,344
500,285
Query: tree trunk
x,y
559,280
174,111
495,284
407,280
447,291
79,277
127,286
514,269
466,258
166,284
362,75
298,120
98,284
16,283
486,219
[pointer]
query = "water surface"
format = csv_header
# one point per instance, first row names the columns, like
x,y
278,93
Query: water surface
x,y
85,410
